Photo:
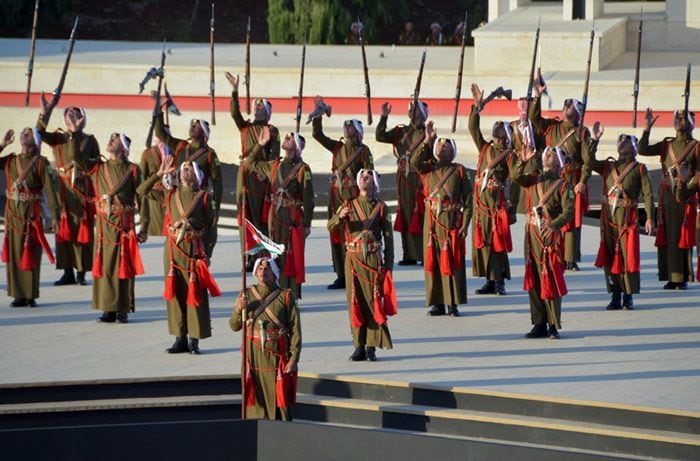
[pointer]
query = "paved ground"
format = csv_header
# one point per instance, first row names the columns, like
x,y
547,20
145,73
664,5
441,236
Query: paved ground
x,y
649,356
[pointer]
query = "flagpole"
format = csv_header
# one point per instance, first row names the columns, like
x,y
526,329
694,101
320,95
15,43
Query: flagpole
x,y
244,314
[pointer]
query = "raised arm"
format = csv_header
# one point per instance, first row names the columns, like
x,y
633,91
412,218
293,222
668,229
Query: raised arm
x,y
381,134
328,143
235,105
475,118
422,160
644,147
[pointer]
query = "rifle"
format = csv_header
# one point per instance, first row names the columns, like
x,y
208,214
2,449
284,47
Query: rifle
x,y
531,81
416,90
367,90
211,67
244,313
458,90
497,93
301,87
59,89
30,68
635,92
584,99
160,73
247,68
686,94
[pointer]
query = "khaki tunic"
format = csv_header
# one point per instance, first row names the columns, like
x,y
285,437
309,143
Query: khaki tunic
x,y
560,208
184,319
408,184
486,261
292,207
18,214
257,187
343,184
264,359
578,152
109,292
519,144
76,199
614,226
675,264
152,211
361,270
454,213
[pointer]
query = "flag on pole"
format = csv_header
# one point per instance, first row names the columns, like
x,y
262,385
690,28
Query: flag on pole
x,y
256,241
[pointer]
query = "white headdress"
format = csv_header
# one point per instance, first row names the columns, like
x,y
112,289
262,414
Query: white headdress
x,y
375,176
271,262
437,142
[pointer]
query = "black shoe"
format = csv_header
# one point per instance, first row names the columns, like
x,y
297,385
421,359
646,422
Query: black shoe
x,y
18,302
489,288
193,346
68,278
627,302
338,284
614,303
80,279
538,331
452,311
572,266
553,333
359,355
407,262
500,288
682,286
122,317
108,317
179,346
670,286
371,354
31,303
438,309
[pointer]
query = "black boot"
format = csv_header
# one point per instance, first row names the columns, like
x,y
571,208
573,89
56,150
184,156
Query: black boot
x,y
682,286
108,317
68,278
193,346
627,302
438,309
18,302
489,288
538,331
553,333
572,266
31,303
80,279
500,287
359,355
338,284
408,262
122,317
614,301
670,286
371,354
179,346
452,311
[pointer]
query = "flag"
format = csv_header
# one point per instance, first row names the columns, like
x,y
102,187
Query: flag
x,y
256,241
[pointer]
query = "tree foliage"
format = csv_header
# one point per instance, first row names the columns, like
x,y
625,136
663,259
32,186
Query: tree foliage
x,y
17,15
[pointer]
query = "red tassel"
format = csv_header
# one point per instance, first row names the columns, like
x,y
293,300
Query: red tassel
x,y
5,248
558,273
249,388
63,234
378,306
581,207
415,228
84,234
336,239
299,261
632,247
194,293
399,225
618,266
97,262
169,292
391,306
661,240
478,235
529,278
458,249
206,280
135,255
126,271
603,257
27,263
446,264
420,201
265,212
167,221
546,288
502,241
687,238
430,256
356,319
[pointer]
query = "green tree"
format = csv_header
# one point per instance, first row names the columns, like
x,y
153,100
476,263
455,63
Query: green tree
x,y
17,14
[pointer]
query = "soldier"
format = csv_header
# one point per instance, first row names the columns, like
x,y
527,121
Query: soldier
x,y
675,218
28,175
448,204
623,182
190,218
350,155
524,139
577,149
256,187
355,34
456,38
368,264
407,141
289,220
550,201
152,212
73,150
408,35
273,344
435,38
117,258
686,188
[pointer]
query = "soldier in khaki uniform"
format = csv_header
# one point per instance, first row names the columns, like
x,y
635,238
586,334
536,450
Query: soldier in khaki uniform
x,y
406,141
675,233
550,201
292,210
28,175
369,261
448,211
273,344
350,155
256,187
624,180
152,211
75,152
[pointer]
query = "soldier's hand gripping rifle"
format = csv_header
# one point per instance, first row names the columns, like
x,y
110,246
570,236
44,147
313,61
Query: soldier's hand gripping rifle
x,y
32,50
211,67
366,72
153,73
301,87
497,93
458,89
247,68
635,92
59,89
416,90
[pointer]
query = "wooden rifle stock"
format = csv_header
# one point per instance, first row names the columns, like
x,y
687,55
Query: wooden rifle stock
x,y
156,105
32,50
366,72
247,68
301,88
62,80
458,89
416,90
211,67
635,92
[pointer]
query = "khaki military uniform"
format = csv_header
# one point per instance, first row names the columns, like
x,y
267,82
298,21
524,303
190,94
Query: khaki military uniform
x,y
152,211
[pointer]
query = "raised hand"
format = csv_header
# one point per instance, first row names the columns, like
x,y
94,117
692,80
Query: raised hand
x,y
598,131
430,132
650,119
386,109
167,166
8,139
264,136
477,94
233,80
